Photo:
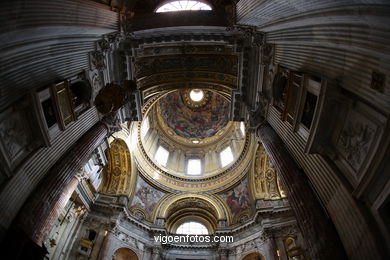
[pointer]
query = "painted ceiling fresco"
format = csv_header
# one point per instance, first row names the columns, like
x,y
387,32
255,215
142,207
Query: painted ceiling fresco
x,y
239,201
146,198
190,122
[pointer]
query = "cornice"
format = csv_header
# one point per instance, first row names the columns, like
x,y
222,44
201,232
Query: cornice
x,y
120,214
212,183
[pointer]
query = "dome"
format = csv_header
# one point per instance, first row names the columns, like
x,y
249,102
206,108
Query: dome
x,y
195,113
186,140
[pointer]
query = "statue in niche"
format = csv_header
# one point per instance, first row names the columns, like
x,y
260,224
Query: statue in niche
x,y
271,183
355,139
259,178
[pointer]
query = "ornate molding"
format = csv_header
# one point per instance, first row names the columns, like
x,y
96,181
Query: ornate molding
x,y
128,239
112,122
267,53
98,60
117,173
250,33
82,174
265,180
178,77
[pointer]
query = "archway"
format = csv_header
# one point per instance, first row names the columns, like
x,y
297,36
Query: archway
x,y
253,256
124,254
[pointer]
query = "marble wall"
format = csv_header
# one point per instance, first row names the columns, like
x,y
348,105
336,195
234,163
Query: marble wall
x,y
42,43
345,43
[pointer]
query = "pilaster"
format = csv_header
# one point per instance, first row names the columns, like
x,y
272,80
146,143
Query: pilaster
x,y
322,241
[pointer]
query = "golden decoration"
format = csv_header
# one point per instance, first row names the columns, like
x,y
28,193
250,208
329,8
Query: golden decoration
x,y
117,172
266,183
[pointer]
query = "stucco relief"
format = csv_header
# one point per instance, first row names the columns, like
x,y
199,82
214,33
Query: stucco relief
x,y
355,139
96,82
12,132
265,180
17,138
98,60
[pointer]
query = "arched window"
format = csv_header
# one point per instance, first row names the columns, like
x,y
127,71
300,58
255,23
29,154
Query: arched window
x,y
226,156
145,127
124,253
242,128
194,167
192,228
161,156
183,5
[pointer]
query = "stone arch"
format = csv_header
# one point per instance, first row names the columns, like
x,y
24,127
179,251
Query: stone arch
x,y
192,207
219,207
253,256
124,253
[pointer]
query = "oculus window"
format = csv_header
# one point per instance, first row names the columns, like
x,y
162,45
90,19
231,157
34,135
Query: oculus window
x,y
161,156
192,228
194,167
226,156
188,5
196,95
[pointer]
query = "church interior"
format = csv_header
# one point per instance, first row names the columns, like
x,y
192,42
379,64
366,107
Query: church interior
x,y
263,121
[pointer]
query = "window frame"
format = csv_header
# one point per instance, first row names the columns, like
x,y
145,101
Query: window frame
x,y
242,129
200,167
294,104
307,88
144,129
171,1
53,131
61,91
165,150
220,156
189,223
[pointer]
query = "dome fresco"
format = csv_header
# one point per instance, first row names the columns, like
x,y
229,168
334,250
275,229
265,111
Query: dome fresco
x,y
191,121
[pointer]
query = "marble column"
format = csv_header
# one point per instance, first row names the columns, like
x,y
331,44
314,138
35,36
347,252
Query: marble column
x,y
271,248
322,240
106,245
40,211
98,244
